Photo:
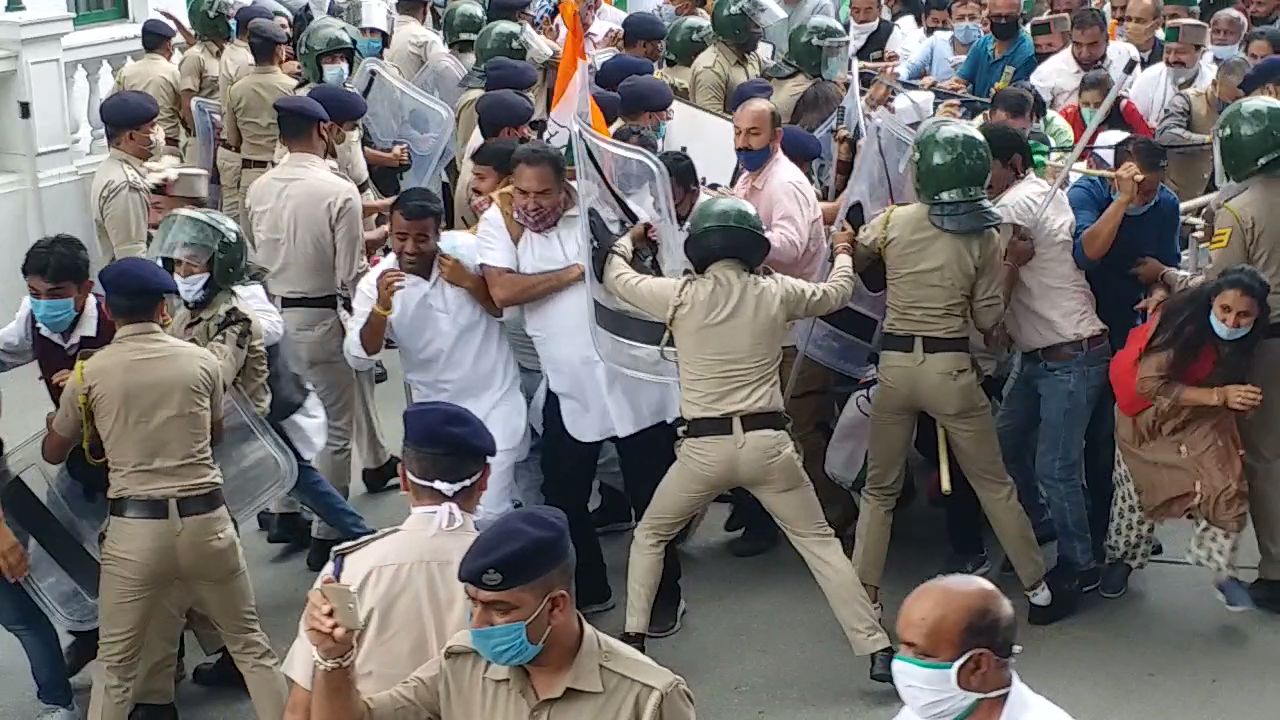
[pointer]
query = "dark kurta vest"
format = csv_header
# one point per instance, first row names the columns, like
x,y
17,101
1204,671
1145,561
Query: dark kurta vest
x,y
52,358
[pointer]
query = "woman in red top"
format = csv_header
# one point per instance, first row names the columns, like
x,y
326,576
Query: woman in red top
x,y
1179,387
1124,115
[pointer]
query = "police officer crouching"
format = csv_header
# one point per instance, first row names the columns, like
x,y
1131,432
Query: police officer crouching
x,y
156,402
526,641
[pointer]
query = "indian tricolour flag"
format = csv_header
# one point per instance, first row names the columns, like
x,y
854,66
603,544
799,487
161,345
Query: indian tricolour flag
x,y
573,90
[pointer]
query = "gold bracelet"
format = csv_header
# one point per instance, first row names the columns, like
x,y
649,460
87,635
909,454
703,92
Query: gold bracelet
x,y
378,309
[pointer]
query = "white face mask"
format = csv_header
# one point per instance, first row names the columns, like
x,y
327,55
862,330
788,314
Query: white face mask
x,y
191,288
468,59
335,74
932,690
1182,75
1224,52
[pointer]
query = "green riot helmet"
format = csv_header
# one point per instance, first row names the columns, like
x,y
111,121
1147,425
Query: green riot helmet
x,y
741,23
210,18
323,36
1247,138
500,38
687,37
951,163
463,21
206,238
819,48
725,228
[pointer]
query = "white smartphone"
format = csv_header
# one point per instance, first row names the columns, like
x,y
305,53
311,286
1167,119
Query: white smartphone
x,y
346,605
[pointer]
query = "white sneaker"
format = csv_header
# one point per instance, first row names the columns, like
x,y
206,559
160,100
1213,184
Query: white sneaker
x,y
53,712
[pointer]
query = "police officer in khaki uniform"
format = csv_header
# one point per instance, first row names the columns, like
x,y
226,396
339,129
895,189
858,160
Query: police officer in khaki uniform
x,y
249,118
1188,121
732,60
198,70
413,43
235,62
500,38
156,402
942,263
156,75
644,101
686,39
306,222
406,577
528,653
120,194
734,430
817,50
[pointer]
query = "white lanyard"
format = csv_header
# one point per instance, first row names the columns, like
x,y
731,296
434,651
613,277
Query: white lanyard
x,y
448,515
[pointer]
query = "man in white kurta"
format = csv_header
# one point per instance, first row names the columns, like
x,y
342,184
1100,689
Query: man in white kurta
x,y
1185,66
1058,78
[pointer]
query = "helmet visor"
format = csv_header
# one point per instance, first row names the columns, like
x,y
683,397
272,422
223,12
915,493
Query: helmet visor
x,y
835,57
537,49
764,13
188,236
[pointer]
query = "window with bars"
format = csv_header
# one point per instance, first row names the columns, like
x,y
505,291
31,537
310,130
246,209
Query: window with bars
x,y
89,12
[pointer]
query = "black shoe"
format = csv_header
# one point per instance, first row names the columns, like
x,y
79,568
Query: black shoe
x,y
378,479
1089,580
289,528
1157,548
665,619
1115,580
734,522
82,650
752,543
146,711
1266,594
264,519
1063,605
601,604
633,640
957,564
219,673
379,373
318,553
612,517
882,665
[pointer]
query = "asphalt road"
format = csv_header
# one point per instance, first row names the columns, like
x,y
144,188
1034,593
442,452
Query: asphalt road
x,y
760,642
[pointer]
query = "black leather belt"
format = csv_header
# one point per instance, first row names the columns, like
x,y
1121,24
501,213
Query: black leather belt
x,y
627,327
930,345
152,509
324,302
362,187
247,164
713,427
228,147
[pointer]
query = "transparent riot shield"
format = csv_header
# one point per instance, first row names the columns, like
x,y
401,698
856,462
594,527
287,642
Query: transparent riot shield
x,y
440,77
620,185
206,114
257,467
400,113
707,137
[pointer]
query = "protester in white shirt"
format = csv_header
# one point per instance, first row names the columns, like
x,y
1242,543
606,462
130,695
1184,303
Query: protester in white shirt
x,y
531,251
1058,78
957,636
1226,34
1184,67
445,325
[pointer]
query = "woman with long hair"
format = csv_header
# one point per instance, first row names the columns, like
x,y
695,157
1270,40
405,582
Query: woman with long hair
x,y
1180,387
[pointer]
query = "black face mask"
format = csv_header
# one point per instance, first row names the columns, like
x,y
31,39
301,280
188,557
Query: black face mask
x,y
1041,57
1005,30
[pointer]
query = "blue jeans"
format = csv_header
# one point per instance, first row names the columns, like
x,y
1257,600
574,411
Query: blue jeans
x,y
1041,425
20,615
318,494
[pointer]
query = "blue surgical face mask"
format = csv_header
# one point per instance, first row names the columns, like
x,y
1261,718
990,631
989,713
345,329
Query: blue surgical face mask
x,y
335,74
55,315
661,130
1224,52
753,160
1137,209
967,33
232,24
509,644
1087,114
1227,333
369,47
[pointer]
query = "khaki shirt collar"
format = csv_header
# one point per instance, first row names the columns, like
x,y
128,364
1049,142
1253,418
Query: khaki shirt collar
x,y
731,53
584,674
126,158
142,328
267,69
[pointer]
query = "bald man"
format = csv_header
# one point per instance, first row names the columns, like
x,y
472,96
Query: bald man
x,y
957,637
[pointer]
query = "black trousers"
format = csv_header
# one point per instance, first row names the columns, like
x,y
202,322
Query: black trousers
x,y
568,474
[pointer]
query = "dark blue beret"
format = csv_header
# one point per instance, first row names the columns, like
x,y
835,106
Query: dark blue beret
x,y
643,26
442,428
248,14
158,27
128,109
1264,73
610,104
136,276
503,73
800,145
753,88
301,106
260,29
519,548
644,93
619,68
341,104
498,109
509,5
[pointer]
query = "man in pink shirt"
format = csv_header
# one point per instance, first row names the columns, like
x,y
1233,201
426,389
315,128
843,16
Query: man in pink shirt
x,y
788,206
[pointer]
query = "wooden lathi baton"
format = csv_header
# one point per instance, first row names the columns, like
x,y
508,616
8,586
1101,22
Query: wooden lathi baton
x,y
944,460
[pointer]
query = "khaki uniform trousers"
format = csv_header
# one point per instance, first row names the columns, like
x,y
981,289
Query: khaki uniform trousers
x,y
766,463
247,176
143,561
316,337
369,446
1260,431
228,162
946,386
158,664
813,415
